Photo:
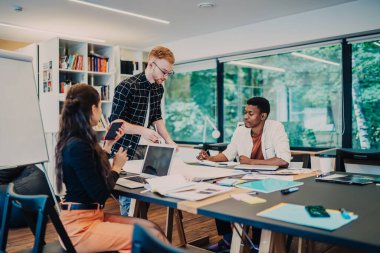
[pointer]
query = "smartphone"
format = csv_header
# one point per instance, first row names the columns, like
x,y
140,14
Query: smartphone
x,y
111,134
317,211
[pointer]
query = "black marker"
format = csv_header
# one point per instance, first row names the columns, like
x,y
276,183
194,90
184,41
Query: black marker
x,y
290,190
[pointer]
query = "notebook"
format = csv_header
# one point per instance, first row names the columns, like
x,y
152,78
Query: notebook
x,y
269,185
346,179
256,167
297,214
157,162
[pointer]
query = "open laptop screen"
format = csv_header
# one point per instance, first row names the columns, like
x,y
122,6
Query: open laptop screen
x,y
157,160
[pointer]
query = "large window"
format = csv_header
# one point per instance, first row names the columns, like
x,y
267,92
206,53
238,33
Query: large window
x,y
366,95
304,88
190,102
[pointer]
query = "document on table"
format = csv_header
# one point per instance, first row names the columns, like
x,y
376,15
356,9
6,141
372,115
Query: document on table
x,y
256,167
217,164
200,173
176,186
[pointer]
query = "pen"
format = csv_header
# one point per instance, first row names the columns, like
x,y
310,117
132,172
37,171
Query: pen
x,y
345,214
206,151
252,193
290,190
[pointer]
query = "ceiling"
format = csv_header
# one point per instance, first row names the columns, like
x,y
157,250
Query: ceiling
x,y
186,18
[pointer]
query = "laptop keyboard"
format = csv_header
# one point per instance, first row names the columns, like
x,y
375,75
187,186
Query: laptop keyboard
x,y
137,179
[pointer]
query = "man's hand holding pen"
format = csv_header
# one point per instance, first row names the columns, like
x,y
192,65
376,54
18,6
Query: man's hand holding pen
x,y
203,155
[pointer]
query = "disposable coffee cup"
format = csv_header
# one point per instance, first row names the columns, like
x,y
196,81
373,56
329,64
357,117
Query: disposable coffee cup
x,y
326,164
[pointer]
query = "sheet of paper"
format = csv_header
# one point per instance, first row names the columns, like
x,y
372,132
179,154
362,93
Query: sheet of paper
x,y
199,191
169,183
217,164
248,198
199,173
262,176
133,166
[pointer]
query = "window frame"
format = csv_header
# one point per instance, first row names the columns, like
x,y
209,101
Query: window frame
x,y
345,42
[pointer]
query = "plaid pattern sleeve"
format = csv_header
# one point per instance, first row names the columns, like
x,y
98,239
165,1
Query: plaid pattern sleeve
x,y
130,103
156,95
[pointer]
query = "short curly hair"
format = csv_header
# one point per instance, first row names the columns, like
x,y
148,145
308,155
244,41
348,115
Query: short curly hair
x,y
160,52
261,103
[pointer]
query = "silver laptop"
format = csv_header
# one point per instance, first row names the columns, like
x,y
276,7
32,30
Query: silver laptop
x,y
157,162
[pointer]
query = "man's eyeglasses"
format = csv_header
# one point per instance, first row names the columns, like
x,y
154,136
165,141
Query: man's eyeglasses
x,y
166,74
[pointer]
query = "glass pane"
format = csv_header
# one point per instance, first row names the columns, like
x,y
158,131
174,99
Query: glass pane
x,y
303,87
190,106
366,95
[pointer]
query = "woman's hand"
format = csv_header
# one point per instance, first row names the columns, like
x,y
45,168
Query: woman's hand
x,y
119,160
109,143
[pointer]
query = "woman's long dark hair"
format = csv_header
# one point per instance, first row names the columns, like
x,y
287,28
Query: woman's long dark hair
x,y
75,121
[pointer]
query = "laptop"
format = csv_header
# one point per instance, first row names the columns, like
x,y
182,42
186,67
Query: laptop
x,y
346,179
157,161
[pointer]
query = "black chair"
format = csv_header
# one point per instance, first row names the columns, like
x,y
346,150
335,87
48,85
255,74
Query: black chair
x,y
356,157
304,158
144,242
37,204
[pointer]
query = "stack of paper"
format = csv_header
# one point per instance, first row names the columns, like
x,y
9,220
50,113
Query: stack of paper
x,y
216,164
200,173
285,174
176,186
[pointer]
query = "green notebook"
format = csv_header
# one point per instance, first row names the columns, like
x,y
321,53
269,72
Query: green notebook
x,y
269,185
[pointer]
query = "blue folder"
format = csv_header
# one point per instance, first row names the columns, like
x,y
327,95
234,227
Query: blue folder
x,y
297,214
269,185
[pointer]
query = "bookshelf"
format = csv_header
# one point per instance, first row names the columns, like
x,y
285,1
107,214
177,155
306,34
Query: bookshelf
x,y
65,62
131,62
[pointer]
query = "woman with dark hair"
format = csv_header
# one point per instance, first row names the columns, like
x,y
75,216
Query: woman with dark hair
x,y
83,166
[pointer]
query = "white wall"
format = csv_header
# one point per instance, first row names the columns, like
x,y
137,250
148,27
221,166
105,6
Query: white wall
x,y
353,17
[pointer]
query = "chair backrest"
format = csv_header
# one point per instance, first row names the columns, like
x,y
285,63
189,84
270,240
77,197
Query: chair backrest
x,y
301,158
37,204
358,157
144,242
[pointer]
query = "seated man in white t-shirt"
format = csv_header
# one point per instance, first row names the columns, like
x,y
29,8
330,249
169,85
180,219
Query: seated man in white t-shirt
x,y
259,142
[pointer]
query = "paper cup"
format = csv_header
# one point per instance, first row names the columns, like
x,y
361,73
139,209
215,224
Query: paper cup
x,y
326,164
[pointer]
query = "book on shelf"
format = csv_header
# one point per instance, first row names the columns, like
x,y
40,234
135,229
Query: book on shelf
x,y
105,92
103,121
75,62
127,67
97,62
79,65
64,87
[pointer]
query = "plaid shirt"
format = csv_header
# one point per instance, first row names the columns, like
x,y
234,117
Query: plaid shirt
x,y
130,103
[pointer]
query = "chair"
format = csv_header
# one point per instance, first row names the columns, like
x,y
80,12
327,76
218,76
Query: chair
x,y
301,158
360,158
144,242
36,204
